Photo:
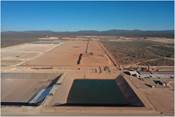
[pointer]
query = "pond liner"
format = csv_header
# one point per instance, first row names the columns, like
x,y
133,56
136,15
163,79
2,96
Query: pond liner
x,y
102,93
95,92
128,92
95,105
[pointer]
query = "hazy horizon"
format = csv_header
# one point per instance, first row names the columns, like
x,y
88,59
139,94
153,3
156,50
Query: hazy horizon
x,y
83,30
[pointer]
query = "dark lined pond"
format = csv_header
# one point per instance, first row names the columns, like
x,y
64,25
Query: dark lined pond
x,y
96,92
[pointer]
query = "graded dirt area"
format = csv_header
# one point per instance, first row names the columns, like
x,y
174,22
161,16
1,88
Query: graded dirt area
x,y
65,55
69,53
87,61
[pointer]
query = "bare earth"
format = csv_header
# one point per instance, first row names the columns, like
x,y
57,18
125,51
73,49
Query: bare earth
x,y
78,59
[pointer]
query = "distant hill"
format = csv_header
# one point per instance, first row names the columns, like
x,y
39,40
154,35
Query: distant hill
x,y
14,37
114,32
166,33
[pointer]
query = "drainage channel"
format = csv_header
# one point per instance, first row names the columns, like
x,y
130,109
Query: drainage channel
x,y
79,58
39,97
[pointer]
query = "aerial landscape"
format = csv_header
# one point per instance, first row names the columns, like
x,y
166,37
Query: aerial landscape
x,y
87,58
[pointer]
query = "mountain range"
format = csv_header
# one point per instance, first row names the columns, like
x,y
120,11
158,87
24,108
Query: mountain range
x,y
114,32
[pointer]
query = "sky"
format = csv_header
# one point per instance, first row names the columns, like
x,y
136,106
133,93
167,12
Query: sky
x,y
74,16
